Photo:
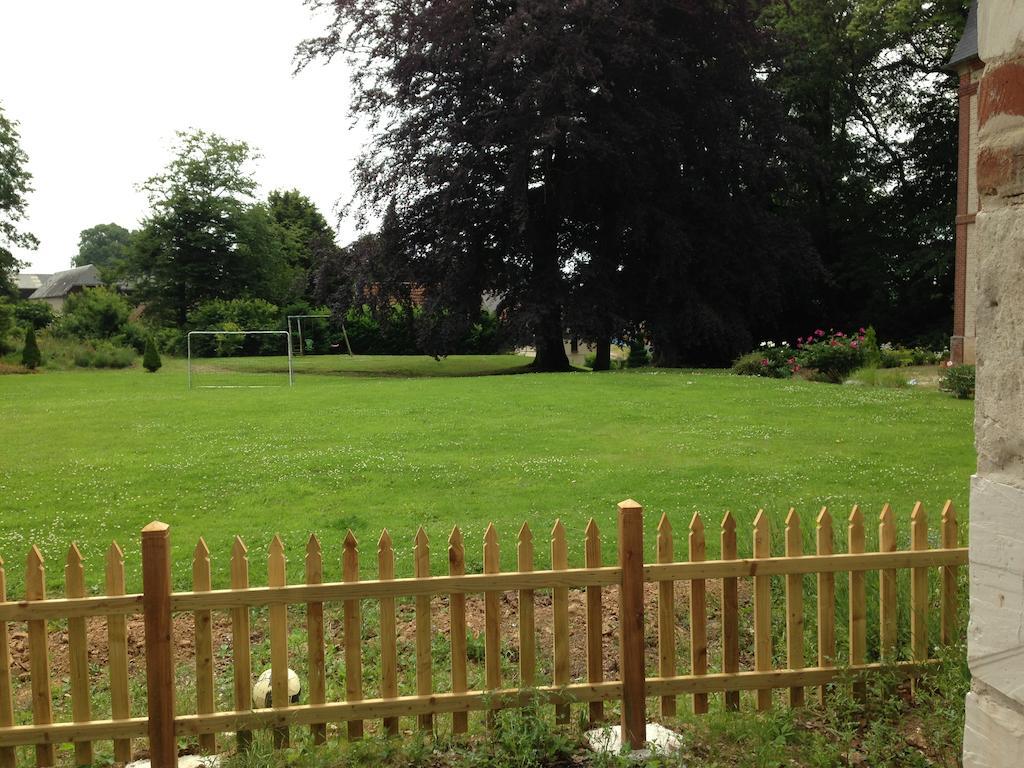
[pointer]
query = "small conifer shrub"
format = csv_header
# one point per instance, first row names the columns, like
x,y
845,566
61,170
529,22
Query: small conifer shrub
x,y
31,358
151,358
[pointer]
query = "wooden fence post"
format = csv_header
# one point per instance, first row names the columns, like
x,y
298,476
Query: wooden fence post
x,y
631,623
156,605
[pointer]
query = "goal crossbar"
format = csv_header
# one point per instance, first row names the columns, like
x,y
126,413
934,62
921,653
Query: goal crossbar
x,y
286,334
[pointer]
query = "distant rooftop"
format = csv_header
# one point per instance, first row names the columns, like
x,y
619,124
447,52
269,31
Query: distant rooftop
x,y
967,48
61,284
27,281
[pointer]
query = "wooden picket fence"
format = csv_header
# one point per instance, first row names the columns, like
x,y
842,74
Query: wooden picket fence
x,y
157,604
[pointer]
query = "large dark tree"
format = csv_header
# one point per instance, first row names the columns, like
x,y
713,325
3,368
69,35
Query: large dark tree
x,y
619,159
308,238
866,80
15,185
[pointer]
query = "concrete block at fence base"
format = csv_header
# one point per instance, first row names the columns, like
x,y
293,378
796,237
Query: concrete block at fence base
x,y
185,761
660,740
994,649
993,733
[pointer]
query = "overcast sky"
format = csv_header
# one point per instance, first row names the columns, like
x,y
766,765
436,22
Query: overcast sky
x,y
101,87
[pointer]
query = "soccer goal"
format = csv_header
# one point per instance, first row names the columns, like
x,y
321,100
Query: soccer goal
x,y
239,359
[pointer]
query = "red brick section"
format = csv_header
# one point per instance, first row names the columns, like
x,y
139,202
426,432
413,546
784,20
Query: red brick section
x,y
1002,92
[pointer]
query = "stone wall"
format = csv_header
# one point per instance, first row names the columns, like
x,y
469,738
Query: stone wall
x,y
994,735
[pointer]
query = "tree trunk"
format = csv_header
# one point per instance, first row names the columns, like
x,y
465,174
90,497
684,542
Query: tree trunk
x,y
574,345
550,346
603,357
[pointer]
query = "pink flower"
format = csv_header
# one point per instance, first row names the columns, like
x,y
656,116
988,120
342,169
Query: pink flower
x,y
765,361
834,343
819,333
840,334
853,344
791,360
861,330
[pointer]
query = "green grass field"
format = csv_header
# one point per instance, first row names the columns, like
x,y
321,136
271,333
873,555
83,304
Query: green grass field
x,y
92,456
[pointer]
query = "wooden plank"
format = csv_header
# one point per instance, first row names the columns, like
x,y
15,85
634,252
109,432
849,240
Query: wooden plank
x,y
353,633
316,673
492,616
457,623
156,600
202,582
38,655
78,653
665,547
388,630
527,624
826,598
472,583
698,613
918,589
560,617
241,655
794,606
730,611
633,722
595,651
950,534
424,671
63,608
887,587
8,757
762,608
117,652
857,597
192,725
277,577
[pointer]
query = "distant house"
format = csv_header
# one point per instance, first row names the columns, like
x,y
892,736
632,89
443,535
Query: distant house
x,y
28,283
59,286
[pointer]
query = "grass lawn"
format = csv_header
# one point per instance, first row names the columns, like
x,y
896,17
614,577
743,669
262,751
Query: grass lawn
x,y
92,456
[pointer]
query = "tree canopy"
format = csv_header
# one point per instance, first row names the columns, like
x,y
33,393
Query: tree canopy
x,y
207,236
107,247
15,186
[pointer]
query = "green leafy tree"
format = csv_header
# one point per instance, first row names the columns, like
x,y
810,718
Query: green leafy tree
x,y
15,186
30,355
151,357
206,238
37,314
95,313
6,325
107,247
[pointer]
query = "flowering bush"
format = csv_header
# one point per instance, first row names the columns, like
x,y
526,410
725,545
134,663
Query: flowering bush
x,y
771,360
958,380
833,355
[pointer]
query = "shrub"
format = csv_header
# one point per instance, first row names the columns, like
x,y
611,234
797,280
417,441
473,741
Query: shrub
x,y
95,313
151,358
103,354
638,355
236,315
6,326
770,360
958,380
38,314
30,356
833,356
872,354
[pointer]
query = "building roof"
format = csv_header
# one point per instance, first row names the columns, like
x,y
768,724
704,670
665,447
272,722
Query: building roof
x,y
62,283
27,281
967,48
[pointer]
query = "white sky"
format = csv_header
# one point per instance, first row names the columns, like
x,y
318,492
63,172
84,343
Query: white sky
x,y
100,88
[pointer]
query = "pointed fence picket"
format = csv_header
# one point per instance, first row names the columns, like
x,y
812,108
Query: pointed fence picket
x,y
158,603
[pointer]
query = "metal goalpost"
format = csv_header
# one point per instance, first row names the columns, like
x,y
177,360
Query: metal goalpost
x,y
286,334
298,325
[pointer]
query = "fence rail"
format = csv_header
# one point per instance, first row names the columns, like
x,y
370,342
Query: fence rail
x,y
157,604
